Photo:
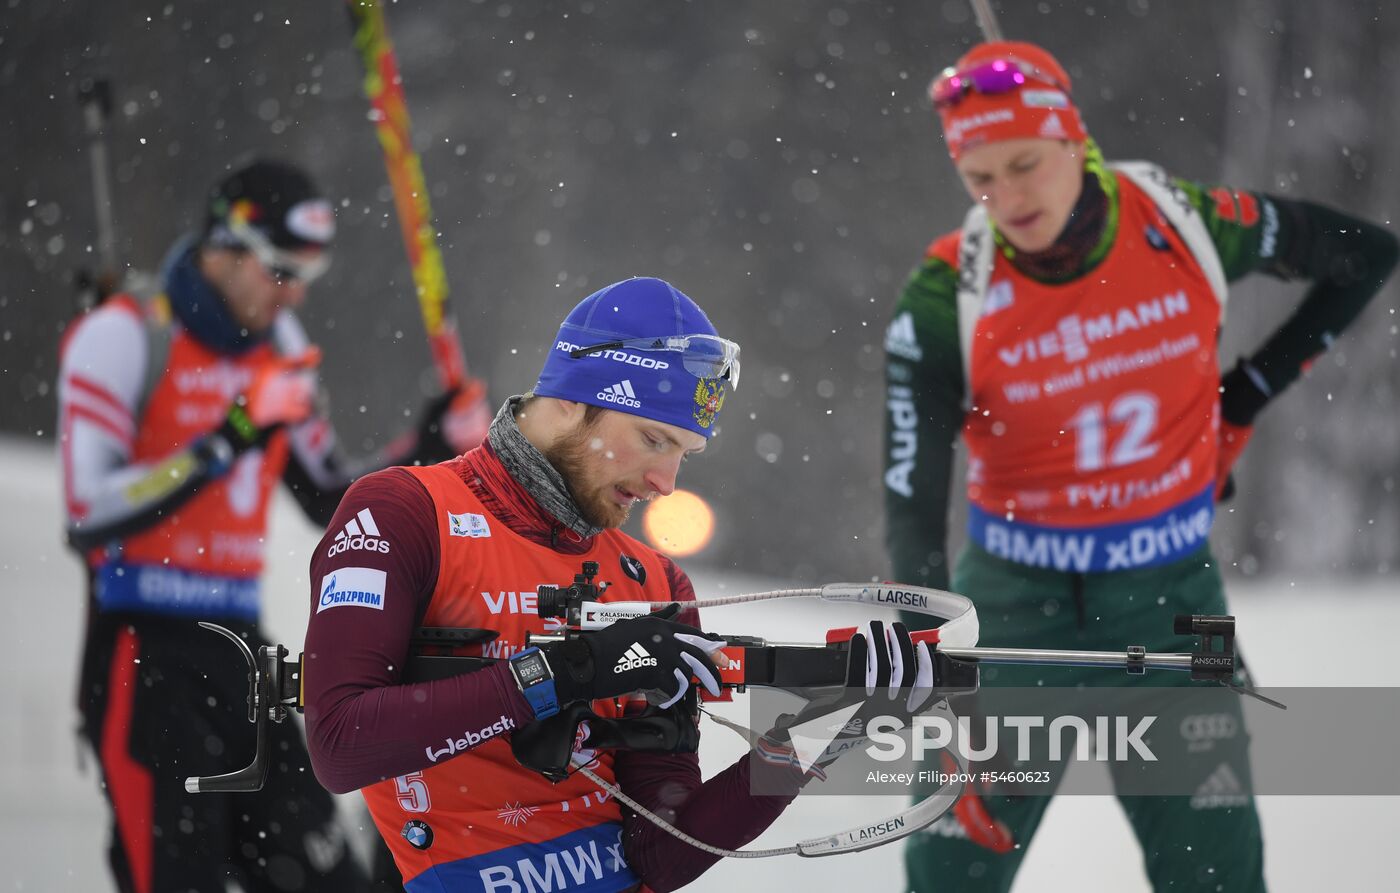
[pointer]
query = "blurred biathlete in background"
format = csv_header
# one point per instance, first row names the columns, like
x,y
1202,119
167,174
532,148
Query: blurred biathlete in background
x,y
633,384
1069,331
177,418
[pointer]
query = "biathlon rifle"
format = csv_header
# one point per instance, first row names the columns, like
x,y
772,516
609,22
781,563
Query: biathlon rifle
x,y
580,607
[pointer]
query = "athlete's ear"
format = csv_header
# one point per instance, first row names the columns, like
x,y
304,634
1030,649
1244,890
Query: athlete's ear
x,y
573,412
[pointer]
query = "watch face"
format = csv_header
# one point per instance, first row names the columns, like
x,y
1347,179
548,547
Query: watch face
x,y
530,669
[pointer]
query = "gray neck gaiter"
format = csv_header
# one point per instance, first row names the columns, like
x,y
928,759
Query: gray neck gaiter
x,y
529,466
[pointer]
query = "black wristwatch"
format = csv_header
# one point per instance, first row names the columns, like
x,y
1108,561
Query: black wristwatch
x,y
536,681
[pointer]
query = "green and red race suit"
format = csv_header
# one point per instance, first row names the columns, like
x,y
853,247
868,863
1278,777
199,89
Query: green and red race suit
x,y
1090,404
1055,356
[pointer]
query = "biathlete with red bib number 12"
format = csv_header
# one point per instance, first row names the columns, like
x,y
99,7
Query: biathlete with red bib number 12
x,y
1069,332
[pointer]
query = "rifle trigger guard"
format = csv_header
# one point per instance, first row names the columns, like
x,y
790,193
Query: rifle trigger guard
x,y
268,700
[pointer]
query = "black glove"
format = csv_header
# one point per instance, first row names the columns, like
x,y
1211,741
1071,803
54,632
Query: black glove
x,y
235,435
653,653
436,439
1243,394
548,745
887,674
429,445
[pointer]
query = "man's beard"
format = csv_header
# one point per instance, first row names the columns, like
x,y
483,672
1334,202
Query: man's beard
x,y
570,457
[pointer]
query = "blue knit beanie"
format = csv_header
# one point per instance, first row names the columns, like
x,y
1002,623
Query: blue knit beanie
x,y
685,388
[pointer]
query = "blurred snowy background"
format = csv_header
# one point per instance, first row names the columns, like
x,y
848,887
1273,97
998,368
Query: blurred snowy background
x,y
776,160
779,162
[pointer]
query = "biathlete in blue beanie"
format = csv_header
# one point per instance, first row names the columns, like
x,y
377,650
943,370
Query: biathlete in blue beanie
x,y
634,381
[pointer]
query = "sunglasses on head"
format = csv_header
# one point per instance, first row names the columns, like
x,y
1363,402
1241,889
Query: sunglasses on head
x,y
704,356
990,78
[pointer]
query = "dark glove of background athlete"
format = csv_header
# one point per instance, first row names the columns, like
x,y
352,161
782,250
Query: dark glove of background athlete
x,y
887,674
1241,399
451,423
647,654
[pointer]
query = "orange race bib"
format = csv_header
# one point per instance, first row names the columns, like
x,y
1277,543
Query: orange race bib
x,y
204,558
1091,438
475,819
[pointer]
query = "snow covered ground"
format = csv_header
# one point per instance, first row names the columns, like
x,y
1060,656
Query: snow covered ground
x,y
53,822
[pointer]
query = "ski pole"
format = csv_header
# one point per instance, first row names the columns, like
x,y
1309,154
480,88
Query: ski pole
x,y
389,110
95,96
987,20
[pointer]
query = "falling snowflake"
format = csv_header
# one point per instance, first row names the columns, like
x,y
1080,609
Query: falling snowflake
x,y
516,815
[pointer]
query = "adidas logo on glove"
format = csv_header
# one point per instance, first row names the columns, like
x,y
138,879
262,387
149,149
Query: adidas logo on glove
x,y
634,658
621,394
